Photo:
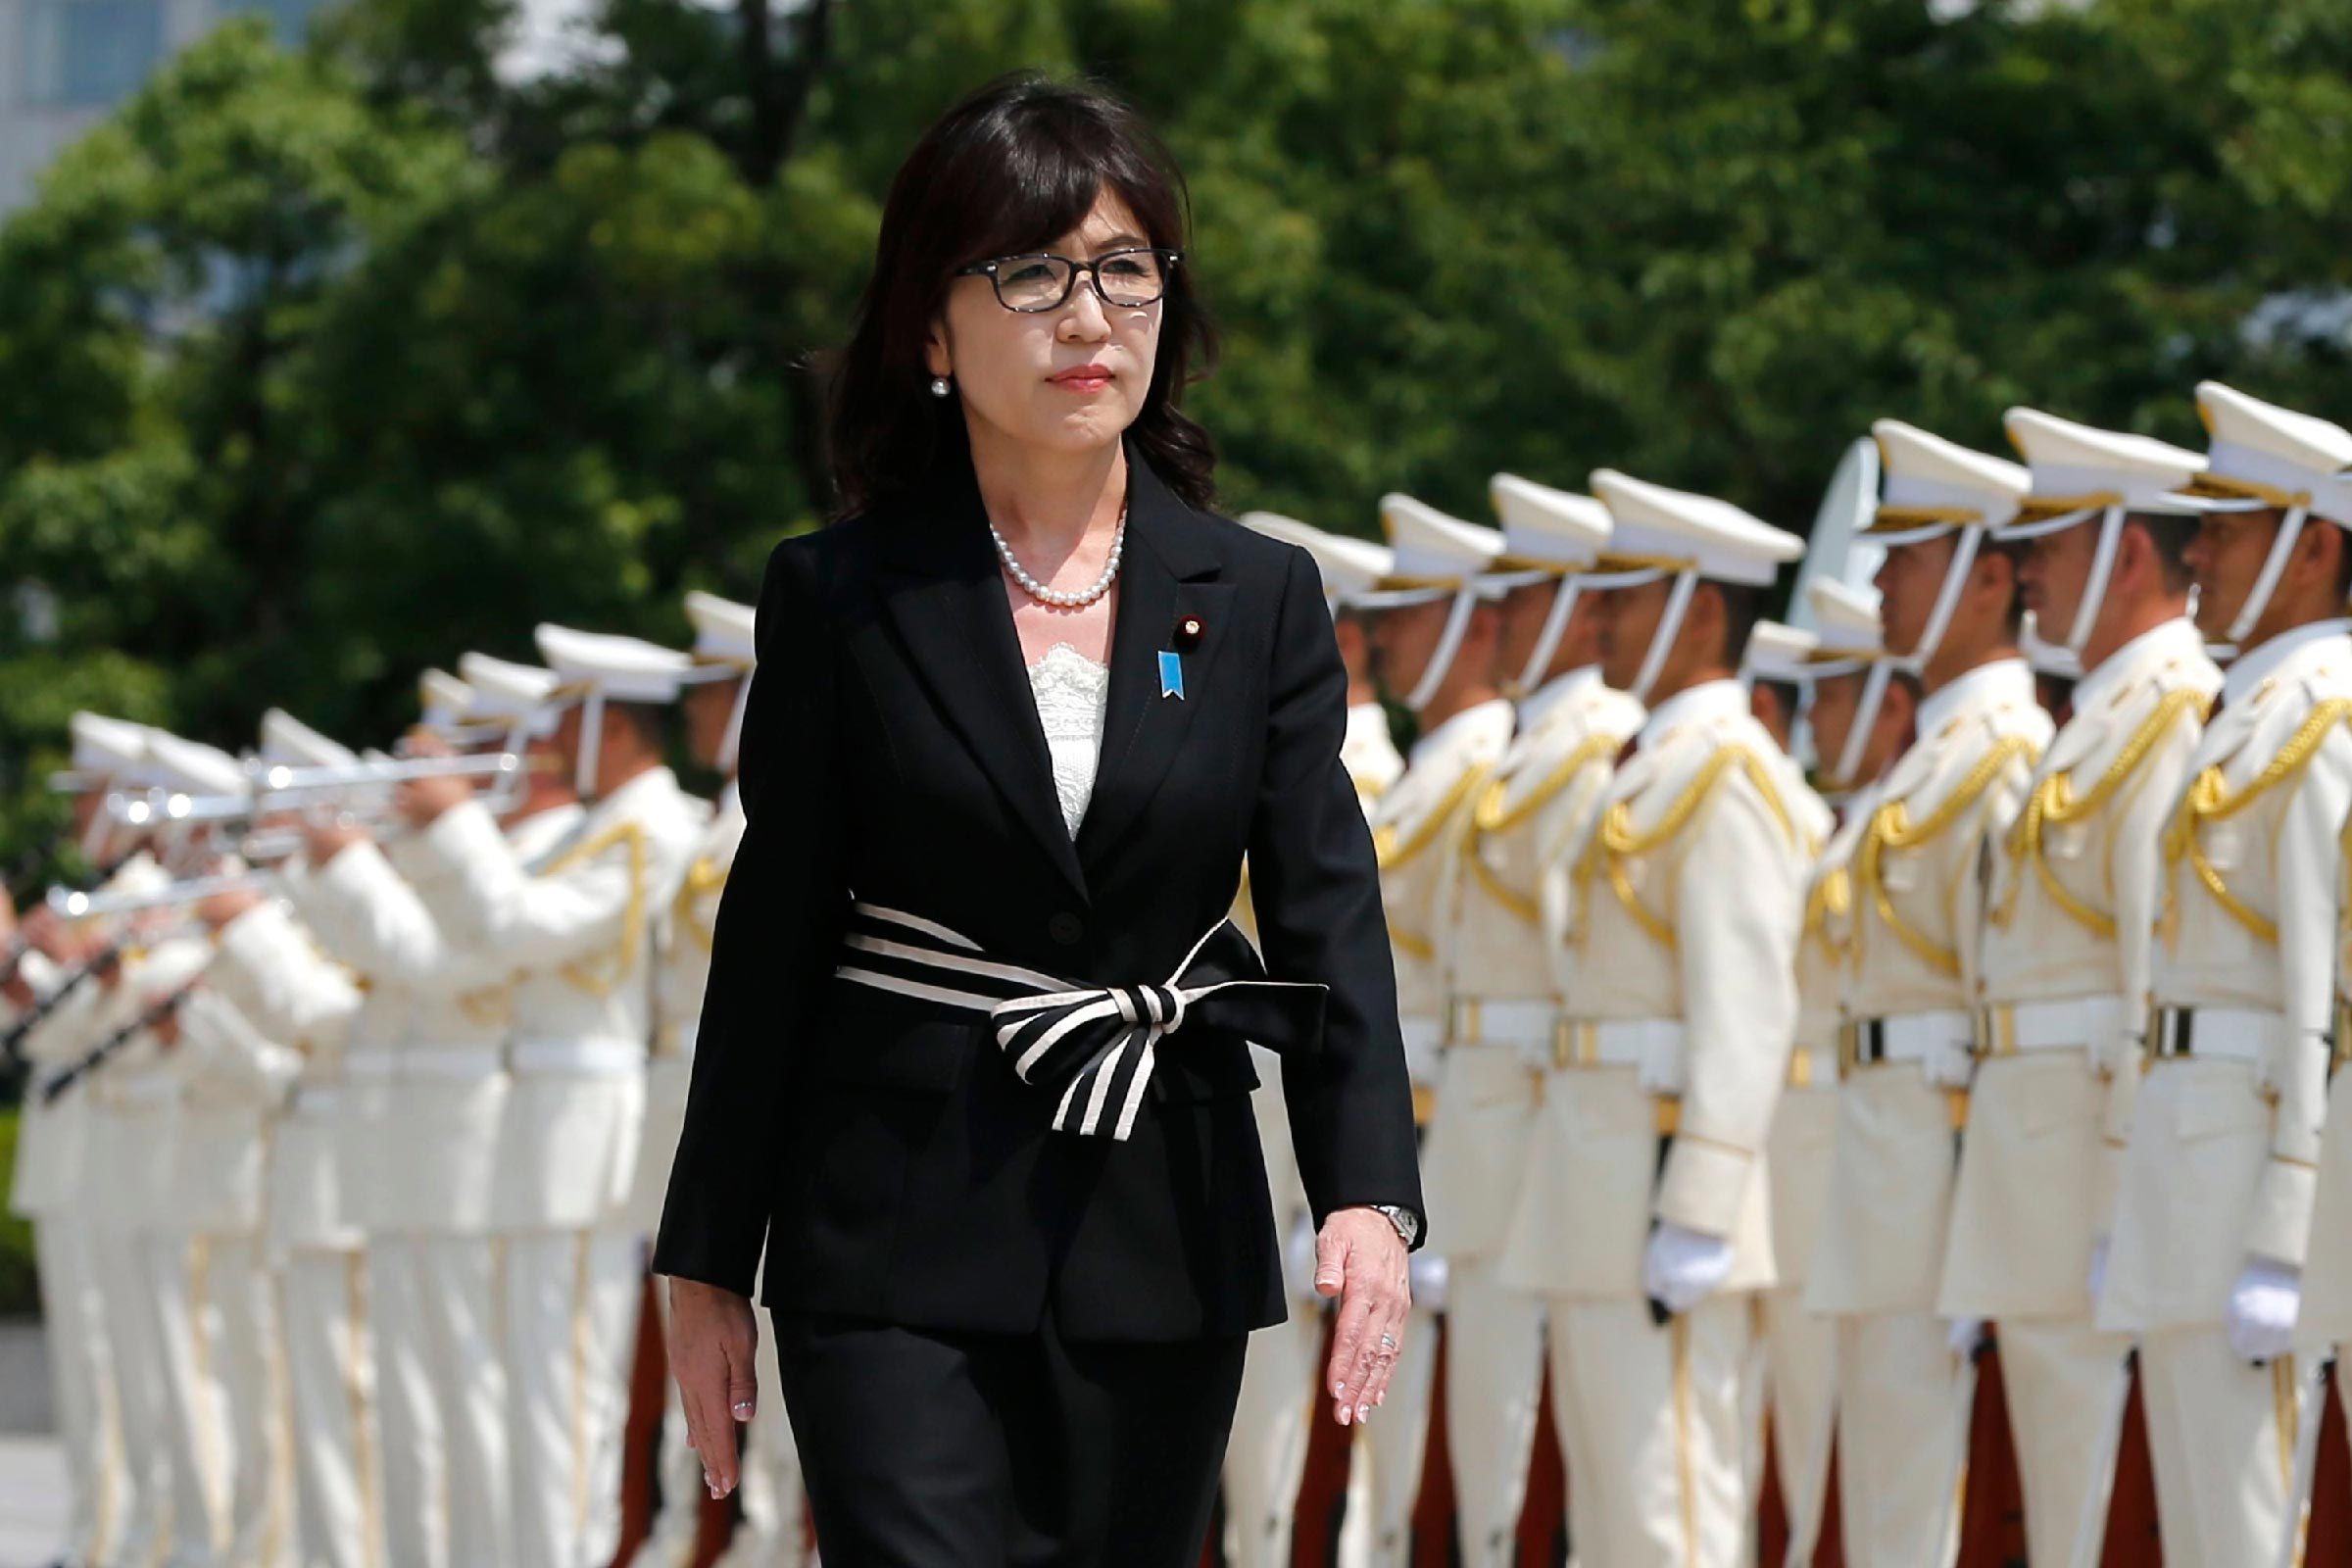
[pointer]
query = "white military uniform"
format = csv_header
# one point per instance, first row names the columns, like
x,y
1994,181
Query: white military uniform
x,y
1645,1168
2063,978
1265,1461
1799,1347
1534,809
50,1188
1417,829
576,926
424,1093
233,1083
1919,891
2220,1176
295,994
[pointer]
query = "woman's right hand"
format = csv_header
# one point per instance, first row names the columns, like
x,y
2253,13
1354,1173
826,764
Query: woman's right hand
x,y
713,1340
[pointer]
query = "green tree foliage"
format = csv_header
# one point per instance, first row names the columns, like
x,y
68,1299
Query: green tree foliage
x,y
316,368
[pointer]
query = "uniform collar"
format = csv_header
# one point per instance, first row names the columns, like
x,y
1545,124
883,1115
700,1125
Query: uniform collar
x,y
653,782
1367,725
730,798
1548,697
2176,638
1987,685
1709,698
2258,664
1468,726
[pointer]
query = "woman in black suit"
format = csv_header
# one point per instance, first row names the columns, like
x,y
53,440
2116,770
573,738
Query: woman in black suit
x,y
972,1063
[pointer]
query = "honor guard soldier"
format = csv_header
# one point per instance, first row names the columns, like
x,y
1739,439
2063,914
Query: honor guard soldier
x,y
53,1186
1265,1463
233,1081
2214,1209
1860,722
282,980
574,923
1950,609
1641,1216
2062,971
425,1085
1434,645
1512,916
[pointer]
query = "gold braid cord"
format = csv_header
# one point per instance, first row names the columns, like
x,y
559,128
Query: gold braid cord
x,y
581,972
2054,804
2209,801
1614,842
1890,830
1831,899
1492,818
1394,851
704,878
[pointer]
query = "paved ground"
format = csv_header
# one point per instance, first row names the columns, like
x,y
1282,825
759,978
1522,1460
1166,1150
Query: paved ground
x,y
32,1478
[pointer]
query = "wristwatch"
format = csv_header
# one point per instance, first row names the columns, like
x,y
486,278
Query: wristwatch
x,y
1408,1223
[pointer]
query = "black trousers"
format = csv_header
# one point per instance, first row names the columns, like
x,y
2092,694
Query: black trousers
x,y
930,1449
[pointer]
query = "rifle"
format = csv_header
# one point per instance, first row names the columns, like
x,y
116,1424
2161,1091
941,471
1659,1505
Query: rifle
x,y
98,1054
11,1043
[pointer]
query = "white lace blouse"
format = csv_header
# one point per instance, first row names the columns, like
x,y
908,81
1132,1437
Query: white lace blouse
x,y
1071,691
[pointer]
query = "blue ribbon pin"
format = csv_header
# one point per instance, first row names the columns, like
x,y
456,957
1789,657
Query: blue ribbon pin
x,y
1171,675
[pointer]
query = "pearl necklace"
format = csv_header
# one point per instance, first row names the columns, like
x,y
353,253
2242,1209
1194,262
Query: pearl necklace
x,y
1055,597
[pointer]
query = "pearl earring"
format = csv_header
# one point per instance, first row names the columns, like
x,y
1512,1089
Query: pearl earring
x,y
939,386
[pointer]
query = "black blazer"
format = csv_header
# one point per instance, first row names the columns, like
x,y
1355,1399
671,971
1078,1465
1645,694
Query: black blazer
x,y
894,1166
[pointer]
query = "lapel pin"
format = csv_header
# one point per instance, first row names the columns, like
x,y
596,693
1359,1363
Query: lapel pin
x,y
1171,675
1188,633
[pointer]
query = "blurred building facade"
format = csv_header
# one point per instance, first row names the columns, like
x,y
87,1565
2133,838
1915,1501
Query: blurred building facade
x,y
64,64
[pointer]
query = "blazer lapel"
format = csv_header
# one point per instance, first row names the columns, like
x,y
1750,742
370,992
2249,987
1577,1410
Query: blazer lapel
x,y
951,611
1159,583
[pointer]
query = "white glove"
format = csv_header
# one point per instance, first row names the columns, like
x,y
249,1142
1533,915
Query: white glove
x,y
1949,1063
1661,1070
2098,1267
1426,1272
1963,1333
2263,1306
1682,1268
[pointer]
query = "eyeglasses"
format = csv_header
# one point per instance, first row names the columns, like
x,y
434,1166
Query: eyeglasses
x,y
1042,281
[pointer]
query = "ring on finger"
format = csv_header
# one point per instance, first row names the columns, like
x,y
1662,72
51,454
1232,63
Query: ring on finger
x,y
1388,1342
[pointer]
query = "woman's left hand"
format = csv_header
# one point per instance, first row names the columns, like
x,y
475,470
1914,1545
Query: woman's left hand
x,y
1360,1258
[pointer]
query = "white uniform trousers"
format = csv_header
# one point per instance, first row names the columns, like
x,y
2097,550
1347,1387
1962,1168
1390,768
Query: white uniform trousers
x,y
571,1303
133,1349
2222,1435
330,1384
2066,1386
1800,1382
245,1352
1655,1437
414,1457
1388,1450
772,1532
1266,1460
1494,1395
670,1542
82,1384
1900,1463
196,1433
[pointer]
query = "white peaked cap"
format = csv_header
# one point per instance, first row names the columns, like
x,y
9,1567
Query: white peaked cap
x,y
1933,486
1554,530
723,630
1348,566
287,742
1679,531
506,690
620,670
2263,454
1845,619
1775,652
102,745
446,701
193,767
1434,550
2079,471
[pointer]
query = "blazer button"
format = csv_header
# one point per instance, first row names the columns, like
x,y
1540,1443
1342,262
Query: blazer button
x,y
1065,929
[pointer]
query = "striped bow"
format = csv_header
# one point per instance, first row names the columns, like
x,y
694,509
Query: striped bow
x,y
1092,1047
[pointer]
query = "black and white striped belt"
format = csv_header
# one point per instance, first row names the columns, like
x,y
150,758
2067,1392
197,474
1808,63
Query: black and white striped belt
x,y
1093,1045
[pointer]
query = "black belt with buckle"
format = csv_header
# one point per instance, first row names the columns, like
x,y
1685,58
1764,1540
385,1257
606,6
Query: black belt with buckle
x,y
1869,1040
2173,1033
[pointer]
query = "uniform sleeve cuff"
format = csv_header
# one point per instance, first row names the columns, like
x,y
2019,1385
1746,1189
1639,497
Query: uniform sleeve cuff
x,y
1704,1185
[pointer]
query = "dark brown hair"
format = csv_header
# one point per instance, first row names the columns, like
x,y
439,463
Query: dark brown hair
x,y
1010,168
